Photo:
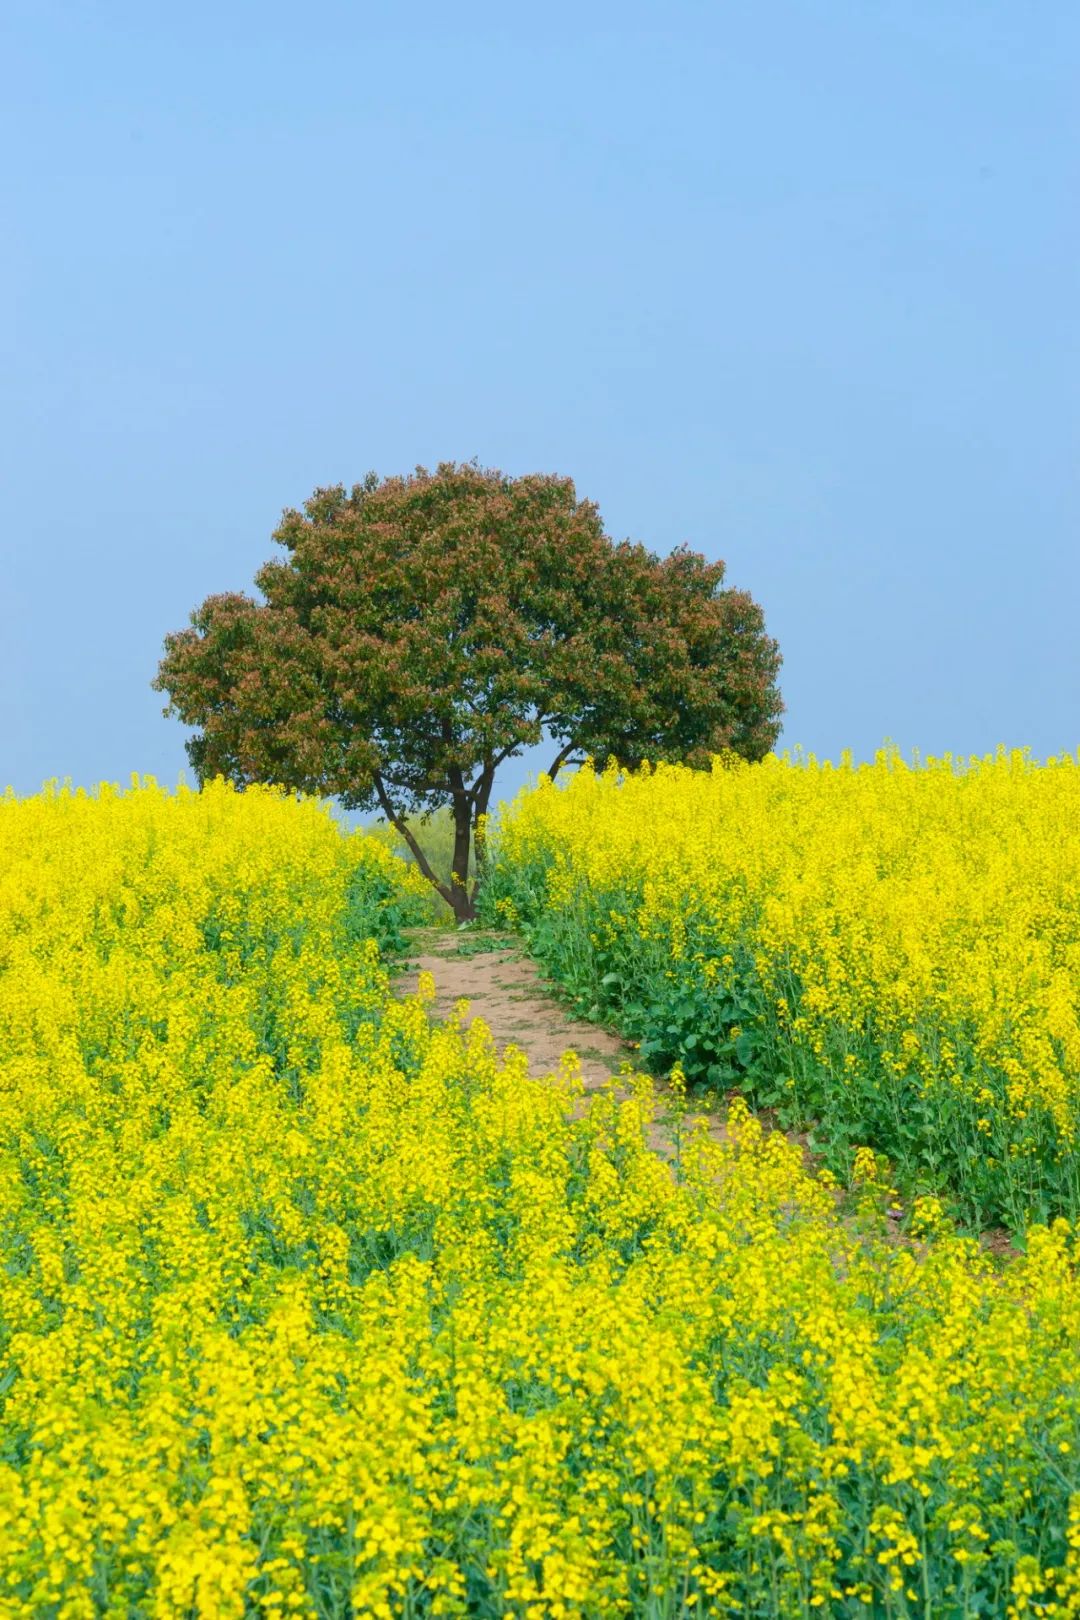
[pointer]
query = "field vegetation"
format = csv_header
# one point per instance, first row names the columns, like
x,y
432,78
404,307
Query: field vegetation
x,y
885,955
311,1306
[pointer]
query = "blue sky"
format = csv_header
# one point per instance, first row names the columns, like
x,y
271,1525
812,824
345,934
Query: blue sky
x,y
795,283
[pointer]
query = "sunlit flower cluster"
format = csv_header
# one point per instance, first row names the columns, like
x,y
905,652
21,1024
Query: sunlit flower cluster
x,y
889,954
311,1306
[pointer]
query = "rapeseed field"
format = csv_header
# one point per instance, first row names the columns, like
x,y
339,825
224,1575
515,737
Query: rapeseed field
x,y
311,1306
887,955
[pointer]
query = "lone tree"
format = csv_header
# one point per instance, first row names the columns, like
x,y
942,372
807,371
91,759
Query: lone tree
x,y
421,630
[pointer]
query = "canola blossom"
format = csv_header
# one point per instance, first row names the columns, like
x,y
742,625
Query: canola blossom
x,y
312,1306
887,954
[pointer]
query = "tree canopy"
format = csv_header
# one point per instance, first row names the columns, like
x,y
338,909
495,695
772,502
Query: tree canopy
x,y
420,630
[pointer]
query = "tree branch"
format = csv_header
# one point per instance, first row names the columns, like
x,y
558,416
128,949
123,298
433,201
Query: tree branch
x,y
504,754
561,759
490,765
402,826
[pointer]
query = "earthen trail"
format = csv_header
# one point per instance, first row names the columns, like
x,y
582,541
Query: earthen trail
x,y
503,987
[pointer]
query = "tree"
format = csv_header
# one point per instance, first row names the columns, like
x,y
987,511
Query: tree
x,y
421,630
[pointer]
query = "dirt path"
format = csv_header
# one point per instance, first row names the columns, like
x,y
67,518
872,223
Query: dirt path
x,y
504,988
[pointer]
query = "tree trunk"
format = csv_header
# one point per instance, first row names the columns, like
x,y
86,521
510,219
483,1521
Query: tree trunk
x,y
461,900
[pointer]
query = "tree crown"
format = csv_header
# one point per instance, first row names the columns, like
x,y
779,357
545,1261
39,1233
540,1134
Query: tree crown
x,y
420,630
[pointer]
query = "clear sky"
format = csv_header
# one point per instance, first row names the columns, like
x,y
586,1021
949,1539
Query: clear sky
x,y
796,283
